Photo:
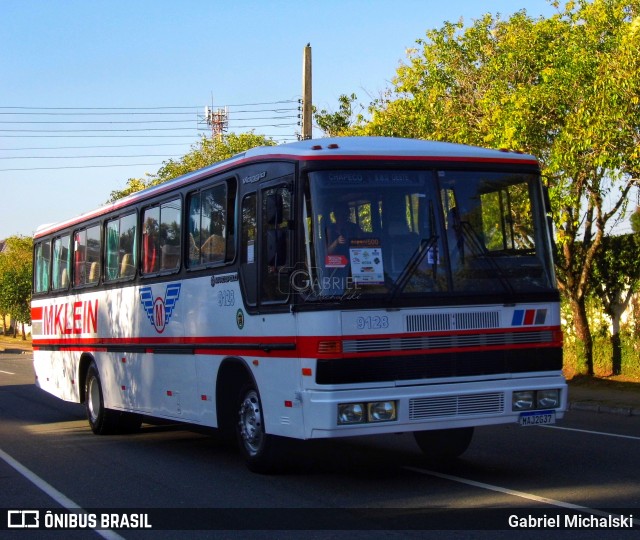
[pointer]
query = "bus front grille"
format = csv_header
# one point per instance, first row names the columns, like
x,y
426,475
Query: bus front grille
x,y
438,365
448,341
456,406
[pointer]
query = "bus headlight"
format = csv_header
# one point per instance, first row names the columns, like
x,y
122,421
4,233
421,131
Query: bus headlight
x,y
523,400
381,411
351,413
547,399
374,411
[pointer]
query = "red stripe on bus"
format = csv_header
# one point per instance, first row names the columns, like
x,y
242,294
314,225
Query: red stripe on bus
x,y
529,316
291,347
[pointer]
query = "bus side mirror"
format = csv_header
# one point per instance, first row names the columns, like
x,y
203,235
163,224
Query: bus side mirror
x,y
550,225
547,200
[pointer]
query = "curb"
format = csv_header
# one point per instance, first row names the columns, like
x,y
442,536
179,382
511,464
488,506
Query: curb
x,y
602,408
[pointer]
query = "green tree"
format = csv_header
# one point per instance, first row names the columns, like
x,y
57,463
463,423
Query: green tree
x,y
15,280
635,221
205,153
615,278
564,88
335,124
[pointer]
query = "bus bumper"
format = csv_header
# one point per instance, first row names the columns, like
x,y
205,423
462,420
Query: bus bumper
x,y
441,406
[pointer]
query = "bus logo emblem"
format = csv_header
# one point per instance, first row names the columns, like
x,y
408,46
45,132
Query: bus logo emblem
x,y
159,310
240,319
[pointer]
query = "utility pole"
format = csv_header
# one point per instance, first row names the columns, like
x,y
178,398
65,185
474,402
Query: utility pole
x,y
306,94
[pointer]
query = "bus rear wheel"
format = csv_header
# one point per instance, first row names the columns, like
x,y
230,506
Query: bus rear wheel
x,y
262,452
105,421
444,444
102,420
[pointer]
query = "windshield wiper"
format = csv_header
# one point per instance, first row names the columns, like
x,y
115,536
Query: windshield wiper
x,y
426,244
478,247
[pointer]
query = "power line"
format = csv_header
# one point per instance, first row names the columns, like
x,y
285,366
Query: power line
x,y
132,126
90,130
96,121
82,167
25,108
101,136
144,108
130,113
87,157
90,147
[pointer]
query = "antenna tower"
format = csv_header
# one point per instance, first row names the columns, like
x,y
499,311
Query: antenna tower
x,y
217,120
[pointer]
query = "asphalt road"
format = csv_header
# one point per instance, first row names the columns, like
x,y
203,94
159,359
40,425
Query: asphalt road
x,y
586,465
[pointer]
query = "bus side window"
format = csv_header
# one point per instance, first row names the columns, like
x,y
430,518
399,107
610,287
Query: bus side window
x,y
161,234
150,240
61,267
120,248
128,246
79,258
170,234
41,264
112,249
93,254
86,256
208,226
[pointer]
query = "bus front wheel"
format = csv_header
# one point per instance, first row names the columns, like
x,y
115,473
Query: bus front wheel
x,y
262,452
444,444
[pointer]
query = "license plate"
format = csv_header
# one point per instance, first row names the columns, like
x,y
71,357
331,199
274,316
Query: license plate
x,y
537,418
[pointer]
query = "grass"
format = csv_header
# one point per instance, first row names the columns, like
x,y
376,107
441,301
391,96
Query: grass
x,y
623,383
9,342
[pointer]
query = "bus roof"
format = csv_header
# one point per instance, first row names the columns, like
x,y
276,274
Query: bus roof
x,y
347,148
386,147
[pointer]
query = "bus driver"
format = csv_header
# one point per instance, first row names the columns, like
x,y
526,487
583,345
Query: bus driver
x,y
342,231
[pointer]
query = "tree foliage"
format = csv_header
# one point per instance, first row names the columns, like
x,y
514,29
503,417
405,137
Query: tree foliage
x,y
635,221
205,153
564,88
615,278
341,122
15,279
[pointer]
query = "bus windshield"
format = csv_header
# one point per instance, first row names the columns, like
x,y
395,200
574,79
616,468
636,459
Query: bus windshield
x,y
405,233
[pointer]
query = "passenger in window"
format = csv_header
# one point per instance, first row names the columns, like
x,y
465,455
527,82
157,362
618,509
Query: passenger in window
x,y
150,260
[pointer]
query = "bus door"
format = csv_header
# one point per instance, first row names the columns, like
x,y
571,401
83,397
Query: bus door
x,y
266,247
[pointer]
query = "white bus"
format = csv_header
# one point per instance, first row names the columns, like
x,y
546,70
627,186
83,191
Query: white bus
x,y
324,288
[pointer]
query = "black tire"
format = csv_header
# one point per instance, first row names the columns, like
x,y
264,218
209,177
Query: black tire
x,y
105,421
444,444
263,453
128,422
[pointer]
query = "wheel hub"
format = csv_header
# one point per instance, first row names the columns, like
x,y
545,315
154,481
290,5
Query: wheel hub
x,y
94,399
250,420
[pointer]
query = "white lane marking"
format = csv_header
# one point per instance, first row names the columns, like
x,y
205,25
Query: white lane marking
x,y
7,372
594,432
60,498
515,493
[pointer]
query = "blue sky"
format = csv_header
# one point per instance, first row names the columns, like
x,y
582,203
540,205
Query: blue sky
x,y
160,57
